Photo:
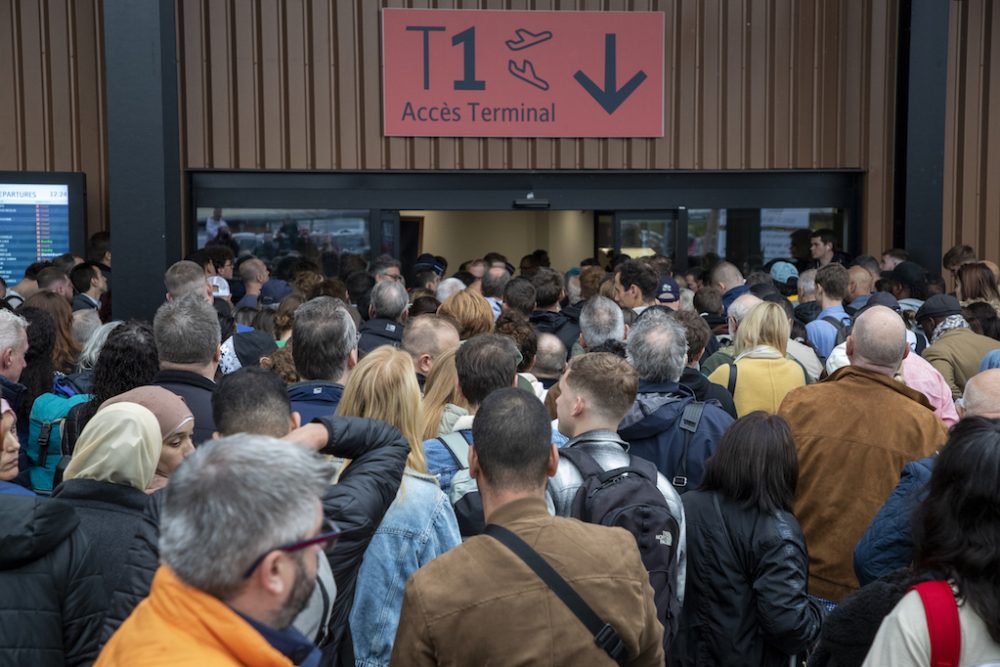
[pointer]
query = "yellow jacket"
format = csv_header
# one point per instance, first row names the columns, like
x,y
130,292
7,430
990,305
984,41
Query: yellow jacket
x,y
761,384
180,625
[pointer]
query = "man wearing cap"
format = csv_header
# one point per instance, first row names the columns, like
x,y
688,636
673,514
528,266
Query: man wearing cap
x,y
427,272
854,432
954,349
669,293
636,285
786,277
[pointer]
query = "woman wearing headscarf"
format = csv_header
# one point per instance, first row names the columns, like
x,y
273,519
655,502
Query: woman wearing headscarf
x,y
119,458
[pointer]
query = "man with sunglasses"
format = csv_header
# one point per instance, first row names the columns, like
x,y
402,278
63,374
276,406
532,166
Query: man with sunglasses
x,y
240,540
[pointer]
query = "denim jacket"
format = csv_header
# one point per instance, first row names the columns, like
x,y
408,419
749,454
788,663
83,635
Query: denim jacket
x,y
419,526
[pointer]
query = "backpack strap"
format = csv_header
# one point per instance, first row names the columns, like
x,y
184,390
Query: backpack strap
x,y
605,636
690,419
44,435
830,319
583,461
943,626
731,385
457,446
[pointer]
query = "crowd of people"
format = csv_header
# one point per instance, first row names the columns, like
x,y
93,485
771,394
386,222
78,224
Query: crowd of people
x,y
366,463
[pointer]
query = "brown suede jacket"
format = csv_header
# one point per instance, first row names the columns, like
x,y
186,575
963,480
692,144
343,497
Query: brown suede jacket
x,y
853,431
479,603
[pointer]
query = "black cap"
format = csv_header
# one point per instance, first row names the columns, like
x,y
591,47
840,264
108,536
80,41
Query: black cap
x,y
880,299
939,305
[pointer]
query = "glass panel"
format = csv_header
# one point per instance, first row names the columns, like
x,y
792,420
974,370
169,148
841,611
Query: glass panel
x,y
272,234
752,238
644,234
388,237
605,238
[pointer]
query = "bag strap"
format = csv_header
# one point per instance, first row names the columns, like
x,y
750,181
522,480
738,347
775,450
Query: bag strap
x,y
690,419
943,625
830,319
457,446
583,461
605,636
731,386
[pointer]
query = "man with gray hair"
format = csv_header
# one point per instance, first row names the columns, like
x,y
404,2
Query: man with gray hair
x,y
387,313
186,277
240,539
854,432
808,307
494,281
601,320
550,359
887,545
188,337
666,424
325,350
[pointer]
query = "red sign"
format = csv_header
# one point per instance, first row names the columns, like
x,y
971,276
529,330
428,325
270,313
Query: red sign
x,y
474,73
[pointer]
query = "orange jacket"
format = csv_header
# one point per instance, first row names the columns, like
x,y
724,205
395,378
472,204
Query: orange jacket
x,y
181,625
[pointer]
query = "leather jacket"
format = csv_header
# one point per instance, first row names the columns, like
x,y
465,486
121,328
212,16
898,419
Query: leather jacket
x,y
610,451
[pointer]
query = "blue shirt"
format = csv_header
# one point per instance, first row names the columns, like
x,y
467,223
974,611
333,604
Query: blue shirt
x,y
822,334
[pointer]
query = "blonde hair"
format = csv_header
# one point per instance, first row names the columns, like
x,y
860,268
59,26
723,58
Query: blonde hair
x,y
471,312
440,389
764,324
384,386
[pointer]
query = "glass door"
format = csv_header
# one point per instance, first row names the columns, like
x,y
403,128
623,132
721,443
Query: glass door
x,y
639,234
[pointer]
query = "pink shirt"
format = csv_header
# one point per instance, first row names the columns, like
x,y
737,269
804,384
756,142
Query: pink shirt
x,y
919,374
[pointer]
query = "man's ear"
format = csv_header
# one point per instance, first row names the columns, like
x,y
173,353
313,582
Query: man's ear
x,y
553,464
352,359
217,355
581,341
269,573
514,383
424,363
216,435
627,327
474,469
371,312
295,419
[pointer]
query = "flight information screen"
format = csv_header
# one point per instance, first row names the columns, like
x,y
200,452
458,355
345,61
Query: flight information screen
x,y
34,226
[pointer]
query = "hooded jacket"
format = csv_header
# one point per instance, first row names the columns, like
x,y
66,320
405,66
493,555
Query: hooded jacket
x,y
377,332
652,429
562,325
52,598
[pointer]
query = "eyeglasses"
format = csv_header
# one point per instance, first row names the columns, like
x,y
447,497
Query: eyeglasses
x,y
292,547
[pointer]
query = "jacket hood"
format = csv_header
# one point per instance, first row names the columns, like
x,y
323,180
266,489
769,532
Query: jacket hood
x,y
655,409
31,527
546,321
573,311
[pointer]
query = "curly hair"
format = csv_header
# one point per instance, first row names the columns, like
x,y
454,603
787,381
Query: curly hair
x,y
127,360
956,532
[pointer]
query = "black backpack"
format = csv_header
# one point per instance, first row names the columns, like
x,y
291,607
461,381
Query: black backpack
x,y
628,498
843,330
464,495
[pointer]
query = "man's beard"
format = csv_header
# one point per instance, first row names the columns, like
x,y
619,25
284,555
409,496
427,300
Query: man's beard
x,y
302,589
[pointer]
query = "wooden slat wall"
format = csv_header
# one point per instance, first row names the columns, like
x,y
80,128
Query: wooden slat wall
x,y
751,84
972,129
52,74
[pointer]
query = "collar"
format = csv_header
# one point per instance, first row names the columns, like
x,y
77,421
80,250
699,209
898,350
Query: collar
x,y
463,423
183,377
832,310
664,388
289,642
598,435
516,510
856,373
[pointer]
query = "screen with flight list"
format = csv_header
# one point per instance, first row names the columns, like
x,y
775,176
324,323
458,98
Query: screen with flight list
x,y
34,226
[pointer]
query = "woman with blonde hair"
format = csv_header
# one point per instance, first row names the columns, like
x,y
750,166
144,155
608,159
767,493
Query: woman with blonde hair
x,y
443,403
761,375
471,312
420,524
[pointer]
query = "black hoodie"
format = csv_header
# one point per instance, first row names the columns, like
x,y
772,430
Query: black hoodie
x,y
561,324
52,598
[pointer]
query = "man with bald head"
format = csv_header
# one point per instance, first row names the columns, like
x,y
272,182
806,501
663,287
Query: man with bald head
x,y
887,545
730,282
854,432
859,287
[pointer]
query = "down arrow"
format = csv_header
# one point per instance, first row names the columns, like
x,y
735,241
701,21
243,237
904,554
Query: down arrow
x,y
610,97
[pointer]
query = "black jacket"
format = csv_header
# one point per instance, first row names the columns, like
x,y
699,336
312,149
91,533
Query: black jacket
x,y
356,503
110,514
745,602
705,390
561,324
196,390
52,597
377,332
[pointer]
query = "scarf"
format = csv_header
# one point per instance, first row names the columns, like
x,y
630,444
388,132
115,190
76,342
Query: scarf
x,y
949,323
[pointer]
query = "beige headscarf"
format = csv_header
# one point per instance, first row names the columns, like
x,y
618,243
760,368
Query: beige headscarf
x,y
120,444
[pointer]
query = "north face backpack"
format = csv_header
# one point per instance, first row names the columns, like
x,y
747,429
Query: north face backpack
x,y
48,413
628,498
464,494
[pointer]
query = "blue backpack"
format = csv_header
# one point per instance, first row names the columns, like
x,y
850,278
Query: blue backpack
x,y
45,431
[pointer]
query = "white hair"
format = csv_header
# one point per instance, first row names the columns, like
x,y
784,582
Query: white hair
x,y
448,287
11,326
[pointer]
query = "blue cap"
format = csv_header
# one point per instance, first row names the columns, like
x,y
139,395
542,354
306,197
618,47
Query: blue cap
x,y
669,291
782,272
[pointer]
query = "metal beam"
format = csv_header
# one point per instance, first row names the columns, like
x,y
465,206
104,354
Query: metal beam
x,y
144,185
927,91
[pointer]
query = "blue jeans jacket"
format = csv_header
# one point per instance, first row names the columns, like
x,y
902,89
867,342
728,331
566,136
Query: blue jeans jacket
x,y
419,526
